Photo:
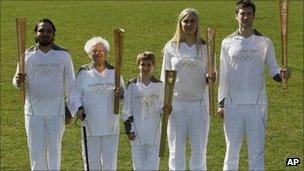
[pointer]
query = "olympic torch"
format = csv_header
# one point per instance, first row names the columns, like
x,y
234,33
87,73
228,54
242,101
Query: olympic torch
x,y
118,47
210,34
170,78
21,34
284,31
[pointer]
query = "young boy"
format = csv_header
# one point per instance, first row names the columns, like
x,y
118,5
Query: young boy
x,y
142,113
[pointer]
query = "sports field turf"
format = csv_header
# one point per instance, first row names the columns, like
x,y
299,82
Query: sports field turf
x,y
148,25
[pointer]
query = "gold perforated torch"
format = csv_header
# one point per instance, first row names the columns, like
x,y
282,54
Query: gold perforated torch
x,y
284,31
210,35
170,78
118,48
21,34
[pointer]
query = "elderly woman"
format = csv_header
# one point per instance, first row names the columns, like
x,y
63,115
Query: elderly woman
x,y
186,53
93,99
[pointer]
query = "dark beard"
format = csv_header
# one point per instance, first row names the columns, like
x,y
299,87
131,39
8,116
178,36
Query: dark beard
x,y
42,42
45,43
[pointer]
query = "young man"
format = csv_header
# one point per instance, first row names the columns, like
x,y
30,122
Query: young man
x,y
49,76
242,94
141,113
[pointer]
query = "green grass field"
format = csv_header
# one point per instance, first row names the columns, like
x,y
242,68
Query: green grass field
x,y
148,26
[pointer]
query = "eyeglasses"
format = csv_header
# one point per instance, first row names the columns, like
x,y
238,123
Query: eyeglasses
x,y
96,51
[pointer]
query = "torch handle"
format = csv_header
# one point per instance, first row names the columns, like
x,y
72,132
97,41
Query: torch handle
x,y
284,36
210,44
170,78
118,48
21,35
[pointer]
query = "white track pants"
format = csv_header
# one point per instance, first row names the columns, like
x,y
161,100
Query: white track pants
x,y
145,157
249,120
191,120
102,152
44,135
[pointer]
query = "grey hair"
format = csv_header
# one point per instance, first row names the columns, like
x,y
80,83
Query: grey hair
x,y
95,41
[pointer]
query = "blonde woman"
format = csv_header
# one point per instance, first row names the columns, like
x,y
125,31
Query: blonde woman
x,y
186,53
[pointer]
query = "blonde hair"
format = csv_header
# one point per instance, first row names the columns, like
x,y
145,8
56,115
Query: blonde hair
x,y
179,35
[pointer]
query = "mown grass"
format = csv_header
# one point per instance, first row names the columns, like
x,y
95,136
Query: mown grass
x,y
148,26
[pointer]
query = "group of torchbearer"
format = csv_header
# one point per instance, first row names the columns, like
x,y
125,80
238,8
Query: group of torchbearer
x,y
48,77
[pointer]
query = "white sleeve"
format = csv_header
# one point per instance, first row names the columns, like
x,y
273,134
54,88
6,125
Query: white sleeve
x,y
205,58
76,95
122,85
270,60
14,78
166,62
127,109
69,75
223,82
205,65
161,101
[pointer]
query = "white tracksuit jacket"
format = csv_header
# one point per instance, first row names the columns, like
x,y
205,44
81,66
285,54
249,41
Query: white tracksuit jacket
x,y
189,117
49,78
144,103
94,91
242,92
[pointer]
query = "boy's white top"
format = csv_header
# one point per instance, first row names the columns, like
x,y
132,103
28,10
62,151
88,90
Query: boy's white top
x,y
48,77
242,68
191,68
94,91
144,103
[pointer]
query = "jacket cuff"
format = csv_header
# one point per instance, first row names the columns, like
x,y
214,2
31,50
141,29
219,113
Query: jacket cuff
x,y
221,104
277,78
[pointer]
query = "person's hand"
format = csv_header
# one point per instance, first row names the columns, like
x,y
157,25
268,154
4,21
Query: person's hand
x,y
220,112
81,114
68,119
118,92
20,78
131,136
68,116
167,109
211,76
285,73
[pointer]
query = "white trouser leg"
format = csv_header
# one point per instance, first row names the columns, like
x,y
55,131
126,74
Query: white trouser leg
x,y
54,133
234,127
36,138
94,152
255,130
152,160
138,157
198,126
109,148
177,129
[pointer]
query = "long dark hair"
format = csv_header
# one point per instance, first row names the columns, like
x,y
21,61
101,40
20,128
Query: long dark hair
x,y
44,20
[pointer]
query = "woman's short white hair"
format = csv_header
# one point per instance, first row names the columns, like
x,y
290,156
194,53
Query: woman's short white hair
x,y
95,41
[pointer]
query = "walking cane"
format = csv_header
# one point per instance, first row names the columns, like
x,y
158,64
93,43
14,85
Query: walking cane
x,y
84,141
85,146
